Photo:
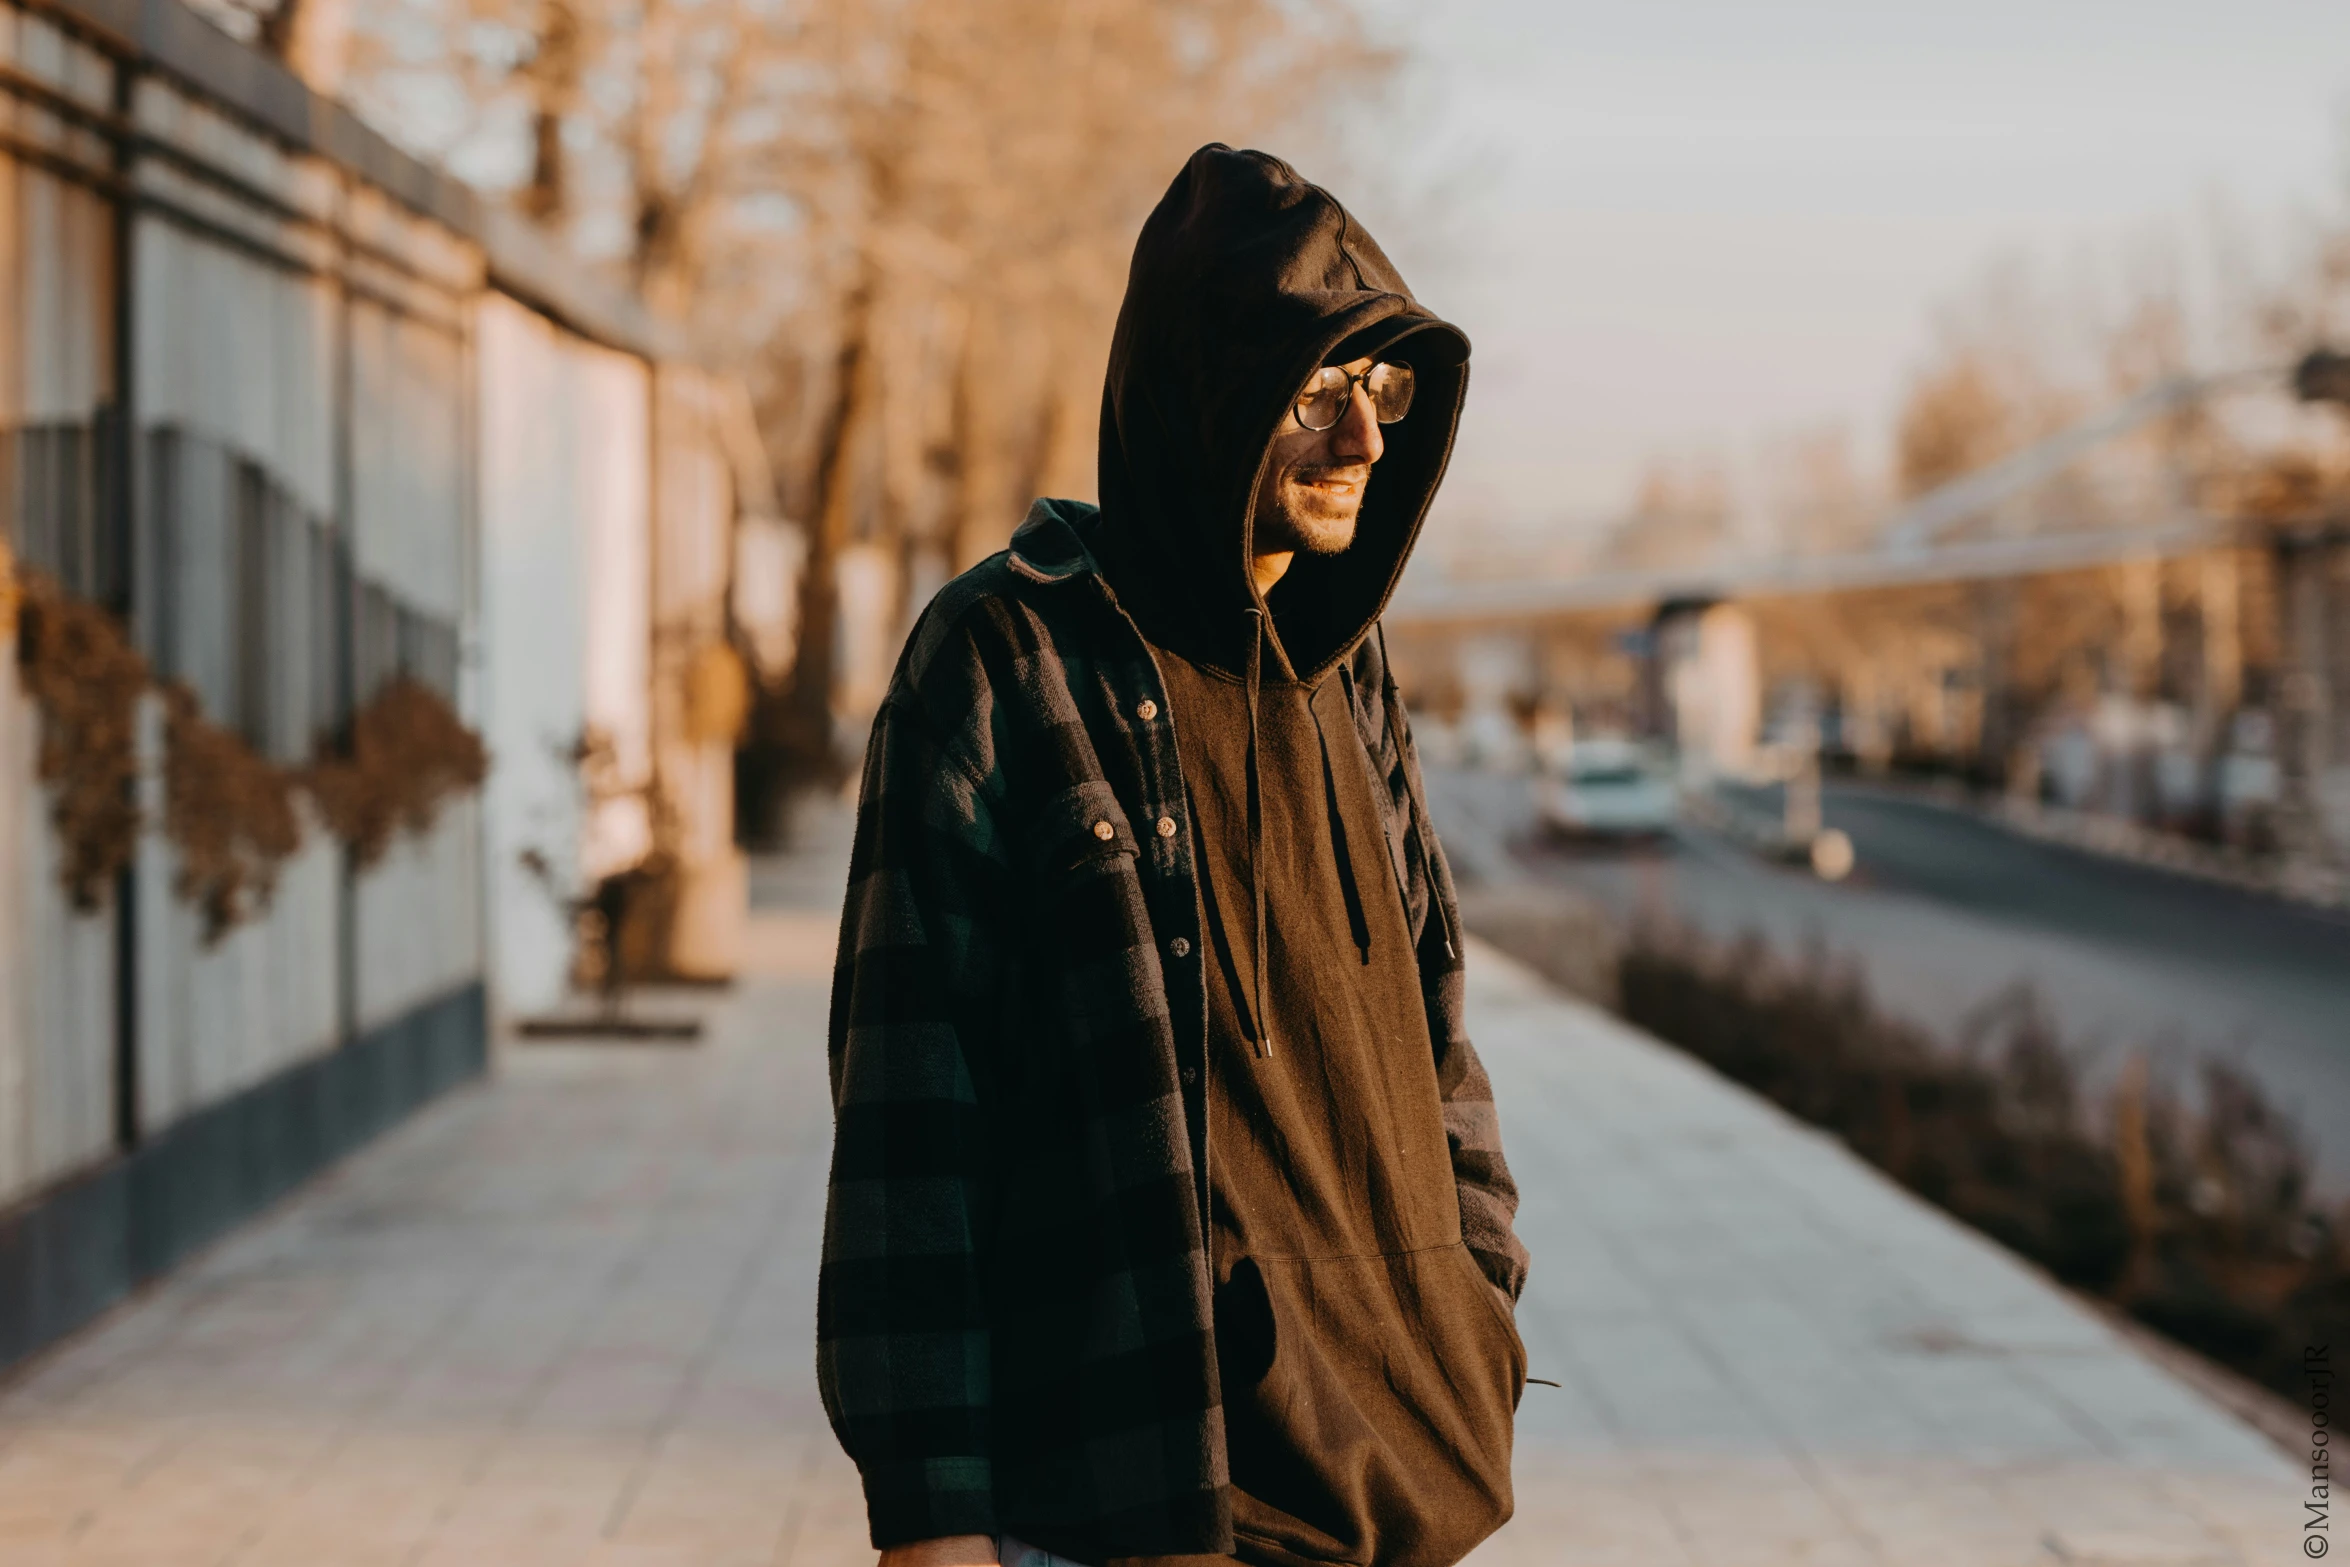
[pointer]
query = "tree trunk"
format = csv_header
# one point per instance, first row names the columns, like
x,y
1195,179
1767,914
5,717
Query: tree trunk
x,y
554,74
810,754
980,480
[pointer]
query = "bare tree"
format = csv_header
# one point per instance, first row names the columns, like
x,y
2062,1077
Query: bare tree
x,y
1001,156
907,220
1956,420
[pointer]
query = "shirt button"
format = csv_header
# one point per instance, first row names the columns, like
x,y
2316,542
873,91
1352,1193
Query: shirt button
x,y
1146,709
1166,826
1191,1074
1104,831
1180,946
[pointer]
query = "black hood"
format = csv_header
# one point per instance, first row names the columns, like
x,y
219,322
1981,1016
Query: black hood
x,y
1246,279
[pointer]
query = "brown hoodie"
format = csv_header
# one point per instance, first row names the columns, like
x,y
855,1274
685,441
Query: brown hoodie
x,y
1369,1369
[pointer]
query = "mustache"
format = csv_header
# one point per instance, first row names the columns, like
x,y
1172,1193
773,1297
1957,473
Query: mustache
x,y
1316,473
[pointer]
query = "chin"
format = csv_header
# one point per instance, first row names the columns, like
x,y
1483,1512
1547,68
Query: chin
x,y
1327,538
1320,535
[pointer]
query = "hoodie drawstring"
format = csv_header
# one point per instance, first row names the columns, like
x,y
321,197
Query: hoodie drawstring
x,y
1262,1022
1356,920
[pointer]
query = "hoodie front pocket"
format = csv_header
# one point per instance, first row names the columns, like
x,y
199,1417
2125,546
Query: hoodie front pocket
x,y
1505,1323
1380,1429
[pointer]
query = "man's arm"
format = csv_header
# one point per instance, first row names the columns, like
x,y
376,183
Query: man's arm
x,y
1472,1129
903,1345
1488,1196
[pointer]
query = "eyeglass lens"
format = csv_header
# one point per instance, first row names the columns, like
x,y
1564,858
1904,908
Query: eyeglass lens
x,y
1323,402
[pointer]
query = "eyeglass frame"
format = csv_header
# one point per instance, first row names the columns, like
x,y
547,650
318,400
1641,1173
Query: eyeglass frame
x,y
1297,404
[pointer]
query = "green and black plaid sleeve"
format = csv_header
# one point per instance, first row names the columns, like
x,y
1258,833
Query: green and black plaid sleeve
x,y
903,1346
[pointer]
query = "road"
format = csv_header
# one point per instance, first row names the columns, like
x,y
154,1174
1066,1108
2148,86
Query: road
x,y
1946,912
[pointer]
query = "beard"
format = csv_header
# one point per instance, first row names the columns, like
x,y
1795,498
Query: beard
x,y
1308,520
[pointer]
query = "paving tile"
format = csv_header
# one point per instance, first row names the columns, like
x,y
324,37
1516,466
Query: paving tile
x,y
566,1320
1584,1510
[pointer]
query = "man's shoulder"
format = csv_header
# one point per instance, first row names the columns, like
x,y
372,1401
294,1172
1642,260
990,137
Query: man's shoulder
x,y
1034,578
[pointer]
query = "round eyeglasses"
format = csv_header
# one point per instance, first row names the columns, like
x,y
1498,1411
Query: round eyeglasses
x,y
1331,389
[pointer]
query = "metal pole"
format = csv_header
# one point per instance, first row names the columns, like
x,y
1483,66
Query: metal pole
x,y
2302,701
343,643
137,582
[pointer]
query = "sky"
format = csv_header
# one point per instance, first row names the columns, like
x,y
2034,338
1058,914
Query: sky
x,y
1686,227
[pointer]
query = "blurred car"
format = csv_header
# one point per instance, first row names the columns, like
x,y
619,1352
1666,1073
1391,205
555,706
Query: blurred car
x,y
1609,789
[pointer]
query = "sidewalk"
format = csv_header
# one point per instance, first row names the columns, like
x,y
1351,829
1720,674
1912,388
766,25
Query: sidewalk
x,y
567,1318
564,1319
1770,1354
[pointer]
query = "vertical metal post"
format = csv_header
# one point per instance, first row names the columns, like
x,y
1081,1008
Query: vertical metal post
x,y
2301,701
346,660
472,695
135,585
2219,598
1995,733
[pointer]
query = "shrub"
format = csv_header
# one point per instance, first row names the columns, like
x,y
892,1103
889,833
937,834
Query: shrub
x,y
228,811
82,672
409,754
2201,1222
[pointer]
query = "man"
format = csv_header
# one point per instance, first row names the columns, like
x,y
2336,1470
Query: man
x,y
1168,1217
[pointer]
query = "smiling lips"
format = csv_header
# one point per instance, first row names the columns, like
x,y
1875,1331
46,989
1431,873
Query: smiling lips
x,y
1341,480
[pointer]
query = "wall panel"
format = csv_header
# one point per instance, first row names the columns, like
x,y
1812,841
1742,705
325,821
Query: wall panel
x,y
245,407
234,376
534,632
418,915
57,979
304,445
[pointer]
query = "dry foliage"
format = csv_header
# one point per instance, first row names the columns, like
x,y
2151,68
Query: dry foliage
x,y
968,241
2200,1220
2293,485
1956,420
2021,353
86,678
228,811
409,755
906,221
1818,499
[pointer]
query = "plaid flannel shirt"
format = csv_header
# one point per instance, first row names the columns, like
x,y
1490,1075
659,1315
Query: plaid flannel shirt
x,y
1014,1324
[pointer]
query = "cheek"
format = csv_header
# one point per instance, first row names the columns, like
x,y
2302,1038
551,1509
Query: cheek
x,y
1269,487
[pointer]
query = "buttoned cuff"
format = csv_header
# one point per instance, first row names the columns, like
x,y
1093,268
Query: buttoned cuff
x,y
909,1500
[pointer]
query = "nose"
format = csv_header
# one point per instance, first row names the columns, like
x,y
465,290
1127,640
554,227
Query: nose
x,y
1356,437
